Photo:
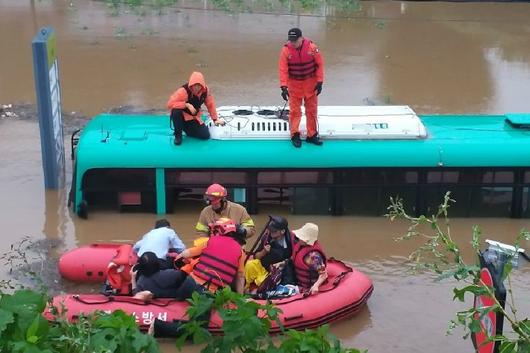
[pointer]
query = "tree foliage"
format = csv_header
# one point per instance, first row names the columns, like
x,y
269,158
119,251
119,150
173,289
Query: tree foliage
x,y
141,7
441,254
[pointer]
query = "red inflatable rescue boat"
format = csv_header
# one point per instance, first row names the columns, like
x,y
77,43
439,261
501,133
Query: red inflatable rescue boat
x,y
344,293
90,263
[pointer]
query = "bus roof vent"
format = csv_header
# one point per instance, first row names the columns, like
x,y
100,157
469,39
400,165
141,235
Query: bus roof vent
x,y
266,112
242,112
519,120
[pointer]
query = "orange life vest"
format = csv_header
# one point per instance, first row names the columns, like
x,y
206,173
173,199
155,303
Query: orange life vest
x,y
301,62
219,261
119,270
305,276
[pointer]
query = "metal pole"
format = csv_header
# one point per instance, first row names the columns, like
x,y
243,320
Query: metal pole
x,y
47,87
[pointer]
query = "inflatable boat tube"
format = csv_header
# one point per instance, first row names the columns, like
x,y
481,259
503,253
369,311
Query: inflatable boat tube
x,y
345,292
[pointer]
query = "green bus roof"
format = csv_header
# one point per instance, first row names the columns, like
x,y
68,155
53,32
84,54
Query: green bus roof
x,y
146,141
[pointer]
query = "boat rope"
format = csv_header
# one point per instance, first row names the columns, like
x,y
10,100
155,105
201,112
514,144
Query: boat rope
x,y
123,299
281,115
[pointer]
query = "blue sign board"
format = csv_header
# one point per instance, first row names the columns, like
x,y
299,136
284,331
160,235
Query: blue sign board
x,y
47,86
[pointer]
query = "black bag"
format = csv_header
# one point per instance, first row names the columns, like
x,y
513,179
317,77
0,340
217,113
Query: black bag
x,y
271,281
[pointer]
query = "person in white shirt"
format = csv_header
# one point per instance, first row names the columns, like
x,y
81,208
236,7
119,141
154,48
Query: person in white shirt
x,y
159,241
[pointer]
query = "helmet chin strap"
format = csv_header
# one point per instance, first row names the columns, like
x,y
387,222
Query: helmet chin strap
x,y
220,209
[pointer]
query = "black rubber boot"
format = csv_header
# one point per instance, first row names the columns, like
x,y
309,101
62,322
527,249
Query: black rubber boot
x,y
315,140
295,139
178,140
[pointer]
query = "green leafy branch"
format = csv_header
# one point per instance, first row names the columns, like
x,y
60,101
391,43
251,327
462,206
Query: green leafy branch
x,y
246,326
441,255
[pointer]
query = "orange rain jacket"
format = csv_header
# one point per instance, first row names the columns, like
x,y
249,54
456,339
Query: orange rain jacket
x,y
310,51
179,98
301,82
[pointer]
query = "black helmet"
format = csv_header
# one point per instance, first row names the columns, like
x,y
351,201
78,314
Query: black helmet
x,y
277,223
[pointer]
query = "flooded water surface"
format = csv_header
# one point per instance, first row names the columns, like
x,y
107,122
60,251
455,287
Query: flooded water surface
x,y
435,57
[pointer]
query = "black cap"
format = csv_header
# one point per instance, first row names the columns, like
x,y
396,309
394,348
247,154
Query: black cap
x,y
294,34
277,223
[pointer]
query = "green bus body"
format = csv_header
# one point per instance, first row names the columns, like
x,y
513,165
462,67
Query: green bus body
x,y
454,142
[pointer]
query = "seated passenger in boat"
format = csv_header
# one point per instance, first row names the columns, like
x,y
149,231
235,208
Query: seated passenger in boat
x,y
272,254
161,240
309,259
221,259
149,281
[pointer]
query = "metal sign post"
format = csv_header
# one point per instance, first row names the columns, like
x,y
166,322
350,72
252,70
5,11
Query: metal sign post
x,y
47,87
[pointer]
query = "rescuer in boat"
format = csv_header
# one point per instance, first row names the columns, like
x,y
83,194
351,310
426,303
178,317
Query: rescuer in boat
x,y
185,109
272,255
309,259
220,263
161,240
219,207
301,69
221,259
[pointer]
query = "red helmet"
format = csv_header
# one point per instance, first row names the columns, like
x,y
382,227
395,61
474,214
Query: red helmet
x,y
214,195
222,226
216,190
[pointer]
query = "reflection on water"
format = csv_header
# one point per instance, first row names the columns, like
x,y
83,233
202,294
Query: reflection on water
x,y
436,57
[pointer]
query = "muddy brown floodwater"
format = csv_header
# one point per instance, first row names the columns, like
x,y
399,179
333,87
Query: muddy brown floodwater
x,y
435,57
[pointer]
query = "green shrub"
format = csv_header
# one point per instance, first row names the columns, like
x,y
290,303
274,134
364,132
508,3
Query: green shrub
x,y
246,327
23,329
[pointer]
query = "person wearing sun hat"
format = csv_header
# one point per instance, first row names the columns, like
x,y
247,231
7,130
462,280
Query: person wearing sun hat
x,y
309,259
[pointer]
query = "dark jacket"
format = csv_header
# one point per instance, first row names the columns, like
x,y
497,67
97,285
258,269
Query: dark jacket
x,y
163,284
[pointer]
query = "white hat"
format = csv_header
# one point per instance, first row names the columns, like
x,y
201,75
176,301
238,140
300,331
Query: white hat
x,y
308,233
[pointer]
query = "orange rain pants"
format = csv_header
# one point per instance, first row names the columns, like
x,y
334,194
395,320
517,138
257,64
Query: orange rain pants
x,y
303,90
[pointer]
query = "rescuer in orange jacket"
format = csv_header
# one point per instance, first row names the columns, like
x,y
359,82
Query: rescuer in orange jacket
x,y
185,107
301,70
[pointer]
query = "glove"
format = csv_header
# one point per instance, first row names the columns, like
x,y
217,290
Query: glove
x,y
285,93
318,87
219,122
241,231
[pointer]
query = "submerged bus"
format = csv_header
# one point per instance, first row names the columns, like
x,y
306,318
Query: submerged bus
x,y
369,154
